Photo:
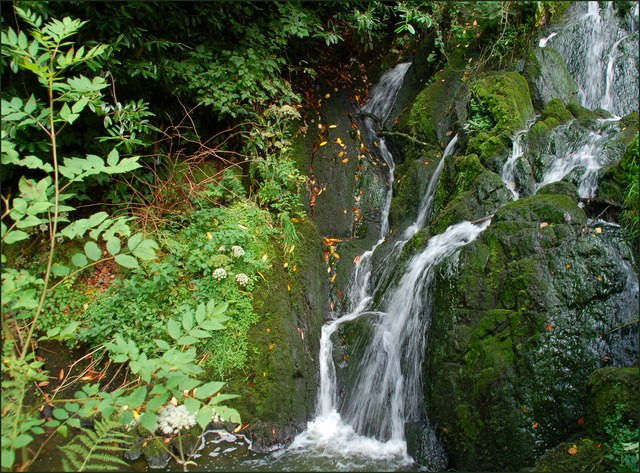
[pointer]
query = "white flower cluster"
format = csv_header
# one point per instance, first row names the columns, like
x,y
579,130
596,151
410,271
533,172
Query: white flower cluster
x,y
222,249
242,279
173,418
219,274
237,251
43,227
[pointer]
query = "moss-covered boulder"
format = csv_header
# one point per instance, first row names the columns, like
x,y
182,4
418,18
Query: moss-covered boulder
x,y
518,314
580,455
502,101
609,388
561,188
278,389
548,77
486,193
427,117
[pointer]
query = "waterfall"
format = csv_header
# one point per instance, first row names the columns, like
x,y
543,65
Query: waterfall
x,y
581,151
591,45
517,151
369,420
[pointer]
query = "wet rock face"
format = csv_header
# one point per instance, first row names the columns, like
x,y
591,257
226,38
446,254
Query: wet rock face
x,y
520,322
548,77
277,392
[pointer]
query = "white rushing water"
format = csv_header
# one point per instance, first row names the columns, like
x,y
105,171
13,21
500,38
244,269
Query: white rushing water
x,y
591,45
369,423
517,151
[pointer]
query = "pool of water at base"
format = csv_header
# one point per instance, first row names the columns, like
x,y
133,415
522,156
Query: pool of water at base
x,y
221,451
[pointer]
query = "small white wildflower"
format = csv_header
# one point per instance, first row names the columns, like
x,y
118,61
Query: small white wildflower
x,y
219,274
222,249
242,279
237,251
173,418
64,215
43,227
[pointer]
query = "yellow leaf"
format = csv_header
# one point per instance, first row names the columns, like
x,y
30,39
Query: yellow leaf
x,y
286,264
243,227
336,255
262,276
333,126
295,268
338,141
271,347
320,125
268,330
264,257
345,160
328,270
598,230
293,247
288,287
209,236
323,143
333,278
341,154
327,96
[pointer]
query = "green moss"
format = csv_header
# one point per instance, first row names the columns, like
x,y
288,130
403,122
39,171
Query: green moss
x,y
581,113
556,109
492,150
550,208
486,193
607,388
434,102
505,98
581,455
562,188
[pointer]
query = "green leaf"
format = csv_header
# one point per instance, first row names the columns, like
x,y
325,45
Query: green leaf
x,y
187,320
127,261
156,403
187,340
146,250
222,397
60,270
113,157
15,236
74,422
164,346
134,241
92,250
192,405
60,414
63,430
208,389
114,245
173,328
149,420
22,441
204,416
79,260
137,397
8,458
228,414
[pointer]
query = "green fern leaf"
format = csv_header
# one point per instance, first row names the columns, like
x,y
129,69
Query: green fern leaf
x,y
97,450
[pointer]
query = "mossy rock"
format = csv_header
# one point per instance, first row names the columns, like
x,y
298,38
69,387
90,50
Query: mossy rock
x,y
516,313
549,208
581,113
548,78
492,150
486,193
504,97
581,455
561,188
609,387
279,385
555,109
434,103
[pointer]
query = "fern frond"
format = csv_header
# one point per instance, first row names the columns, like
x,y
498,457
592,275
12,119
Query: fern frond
x,y
97,450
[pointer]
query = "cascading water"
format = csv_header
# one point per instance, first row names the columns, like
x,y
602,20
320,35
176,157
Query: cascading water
x,y
509,169
601,52
369,421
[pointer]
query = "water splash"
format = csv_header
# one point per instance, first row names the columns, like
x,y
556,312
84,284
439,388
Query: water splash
x,y
517,151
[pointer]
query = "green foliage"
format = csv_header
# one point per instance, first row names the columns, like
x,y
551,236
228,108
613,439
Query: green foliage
x,y
97,450
623,441
479,118
630,216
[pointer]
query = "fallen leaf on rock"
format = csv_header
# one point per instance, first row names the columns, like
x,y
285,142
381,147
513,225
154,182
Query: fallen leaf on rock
x,y
572,450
